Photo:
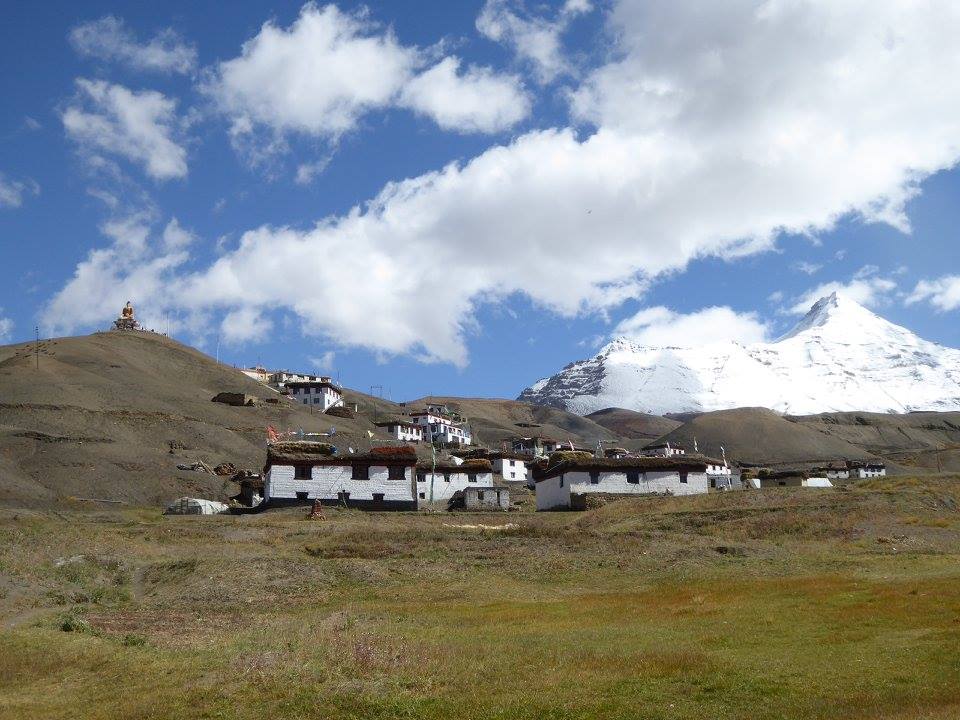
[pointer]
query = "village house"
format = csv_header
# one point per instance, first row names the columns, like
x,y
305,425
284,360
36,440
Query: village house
x,y
533,446
439,482
280,378
301,472
260,374
560,481
868,469
439,426
511,467
322,393
486,498
402,430
662,450
834,471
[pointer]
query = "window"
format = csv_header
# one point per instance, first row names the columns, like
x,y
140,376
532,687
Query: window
x,y
396,472
512,475
421,477
343,496
361,472
479,494
305,401
316,401
633,477
446,477
302,496
423,496
512,463
378,497
472,477
683,478
302,472
594,477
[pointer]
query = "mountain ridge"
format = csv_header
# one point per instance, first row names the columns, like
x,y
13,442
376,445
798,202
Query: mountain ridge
x,y
839,357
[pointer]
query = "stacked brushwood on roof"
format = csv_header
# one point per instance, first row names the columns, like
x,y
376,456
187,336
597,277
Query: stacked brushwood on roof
x,y
467,466
297,451
566,461
315,453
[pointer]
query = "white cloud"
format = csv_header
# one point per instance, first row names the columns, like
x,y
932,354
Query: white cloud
x,y
324,363
109,39
866,288
31,124
535,40
662,327
942,293
718,127
245,324
329,68
6,327
139,126
132,267
175,237
807,268
477,100
306,172
13,191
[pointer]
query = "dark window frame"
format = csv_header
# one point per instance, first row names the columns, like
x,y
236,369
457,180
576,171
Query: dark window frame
x,y
396,472
633,477
360,471
303,472
594,477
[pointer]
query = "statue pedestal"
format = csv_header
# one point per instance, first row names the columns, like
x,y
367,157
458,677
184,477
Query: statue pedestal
x,y
126,323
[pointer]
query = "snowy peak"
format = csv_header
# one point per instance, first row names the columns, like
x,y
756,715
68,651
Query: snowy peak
x,y
836,314
840,356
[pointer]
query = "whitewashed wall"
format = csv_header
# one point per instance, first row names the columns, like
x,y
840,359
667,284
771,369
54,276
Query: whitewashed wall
x,y
405,434
518,471
443,490
553,493
651,482
328,481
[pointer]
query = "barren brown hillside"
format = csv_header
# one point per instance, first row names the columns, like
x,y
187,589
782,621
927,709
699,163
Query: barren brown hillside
x,y
110,415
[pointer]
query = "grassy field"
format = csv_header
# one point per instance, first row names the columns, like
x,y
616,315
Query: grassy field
x,y
786,603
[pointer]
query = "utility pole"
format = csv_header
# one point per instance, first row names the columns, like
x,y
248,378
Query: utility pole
x,y
218,349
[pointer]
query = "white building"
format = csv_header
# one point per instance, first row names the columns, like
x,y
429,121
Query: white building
x,y
560,484
862,470
835,471
402,430
441,427
663,450
301,472
439,483
321,394
510,467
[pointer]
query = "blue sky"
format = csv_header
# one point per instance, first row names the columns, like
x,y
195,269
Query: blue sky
x,y
616,166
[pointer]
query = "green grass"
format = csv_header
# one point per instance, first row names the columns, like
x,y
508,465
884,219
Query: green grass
x,y
773,604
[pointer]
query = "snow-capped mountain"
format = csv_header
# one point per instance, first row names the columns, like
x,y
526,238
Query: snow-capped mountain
x,y
840,356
